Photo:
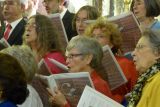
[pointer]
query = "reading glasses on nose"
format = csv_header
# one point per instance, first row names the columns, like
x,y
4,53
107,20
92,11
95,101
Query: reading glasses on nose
x,y
140,46
78,20
98,36
32,25
71,56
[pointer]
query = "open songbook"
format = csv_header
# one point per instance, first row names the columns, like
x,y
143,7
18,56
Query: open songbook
x,y
57,22
70,84
43,68
3,44
92,98
111,68
129,28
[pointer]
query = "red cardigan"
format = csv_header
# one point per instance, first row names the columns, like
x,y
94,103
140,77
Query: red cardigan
x,y
100,84
57,56
131,74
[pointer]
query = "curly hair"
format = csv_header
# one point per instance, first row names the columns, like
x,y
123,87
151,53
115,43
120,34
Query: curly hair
x,y
110,30
12,80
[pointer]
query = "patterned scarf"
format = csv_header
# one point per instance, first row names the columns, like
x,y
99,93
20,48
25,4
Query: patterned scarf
x,y
137,91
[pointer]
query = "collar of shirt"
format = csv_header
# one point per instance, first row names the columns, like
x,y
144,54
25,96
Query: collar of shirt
x,y
63,12
14,24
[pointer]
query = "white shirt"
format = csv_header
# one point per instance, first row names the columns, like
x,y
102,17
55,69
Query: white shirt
x,y
63,13
13,24
33,100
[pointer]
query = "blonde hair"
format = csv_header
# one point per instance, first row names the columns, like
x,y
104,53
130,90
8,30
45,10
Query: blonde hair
x,y
110,30
25,57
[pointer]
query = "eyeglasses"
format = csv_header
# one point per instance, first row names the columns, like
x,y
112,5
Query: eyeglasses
x,y
78,20
99,36
71,56
140,46
32,25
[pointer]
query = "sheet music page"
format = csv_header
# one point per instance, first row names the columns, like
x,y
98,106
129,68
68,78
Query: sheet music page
x,y
129,28
92,98
57,21
111,69
71,85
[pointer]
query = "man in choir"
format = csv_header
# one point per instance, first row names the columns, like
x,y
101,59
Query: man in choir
x,y
32,7
14,21
60,6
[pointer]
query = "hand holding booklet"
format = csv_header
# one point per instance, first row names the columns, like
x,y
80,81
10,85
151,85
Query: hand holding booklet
x,y
92,98
70,84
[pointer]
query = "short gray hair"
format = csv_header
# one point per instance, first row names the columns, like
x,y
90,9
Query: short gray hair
x,y
87,45
26,58
153,36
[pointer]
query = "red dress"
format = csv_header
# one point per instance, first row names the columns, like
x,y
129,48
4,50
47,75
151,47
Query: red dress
x,y
100,84
131,75
57,56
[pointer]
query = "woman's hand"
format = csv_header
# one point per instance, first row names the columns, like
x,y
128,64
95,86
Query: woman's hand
x,y
57,97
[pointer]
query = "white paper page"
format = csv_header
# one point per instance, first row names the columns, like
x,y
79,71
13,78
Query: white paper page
x,y
93,98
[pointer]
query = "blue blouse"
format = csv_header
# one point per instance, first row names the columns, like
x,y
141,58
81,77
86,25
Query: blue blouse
x,y
7,104
156,25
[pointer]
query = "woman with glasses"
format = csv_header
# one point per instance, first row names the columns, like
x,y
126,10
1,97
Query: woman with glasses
x,y
83,55
107,33
146,57
84,13
41,36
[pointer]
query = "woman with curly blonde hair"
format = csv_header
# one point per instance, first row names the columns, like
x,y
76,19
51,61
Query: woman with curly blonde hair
x,y
108,33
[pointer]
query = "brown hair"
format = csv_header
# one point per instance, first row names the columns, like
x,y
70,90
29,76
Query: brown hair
x,y
152,7
110,30
92,12
12,80
48,38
